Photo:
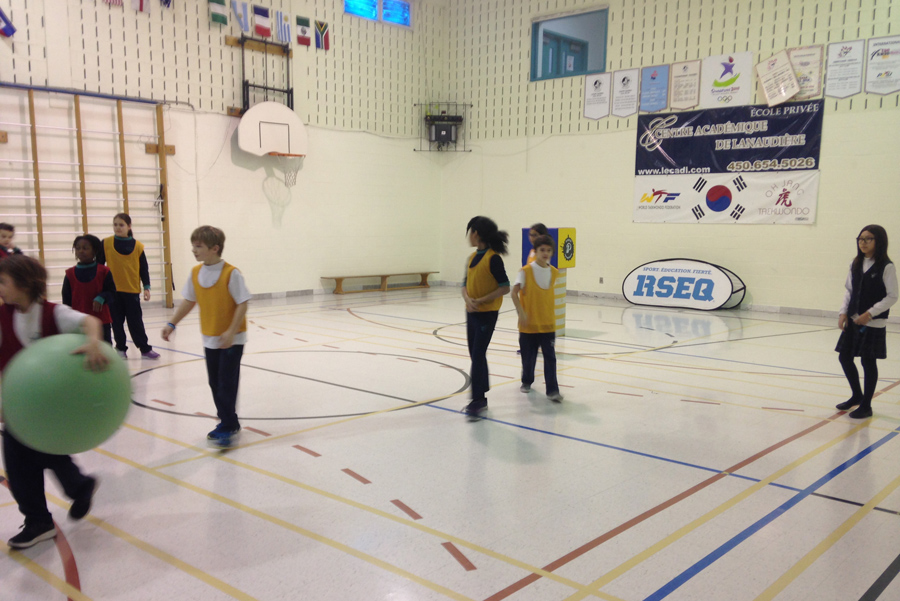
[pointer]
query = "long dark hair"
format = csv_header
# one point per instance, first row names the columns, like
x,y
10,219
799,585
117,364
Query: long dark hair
x,y
489,233
27,274
540,228
881,247
127,219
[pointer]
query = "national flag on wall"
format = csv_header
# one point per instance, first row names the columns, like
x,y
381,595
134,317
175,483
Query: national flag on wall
x,y
142,6
114,2
218,12
166,3
322,40
261,21
6,26
241,14
283,27
303,31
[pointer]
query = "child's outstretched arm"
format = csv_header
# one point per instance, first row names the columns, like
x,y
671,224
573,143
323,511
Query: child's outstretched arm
x,y
227,339
183,309
94,359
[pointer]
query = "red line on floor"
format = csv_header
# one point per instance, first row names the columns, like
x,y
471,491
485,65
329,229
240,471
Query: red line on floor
x,y
405,359
623,393
277,333
353,474
703,402
782,409
305,450
405,509
200,413
301,340
590,545
163,402
329,346
257,431
458,556
886,388
565,386
427,350
260,327
70,568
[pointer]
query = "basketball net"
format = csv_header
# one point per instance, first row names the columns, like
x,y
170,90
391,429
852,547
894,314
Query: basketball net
x,y
290,165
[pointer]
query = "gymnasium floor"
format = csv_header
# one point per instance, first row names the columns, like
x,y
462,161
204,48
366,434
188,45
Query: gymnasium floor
x,y
696,457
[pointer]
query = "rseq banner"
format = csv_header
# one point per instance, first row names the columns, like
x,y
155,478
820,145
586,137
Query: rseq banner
x,y
744,164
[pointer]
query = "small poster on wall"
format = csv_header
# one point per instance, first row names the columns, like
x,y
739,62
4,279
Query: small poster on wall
x,y
597,95
654,88
625,92
883,71
777,78
807,62
685,85
843,75
726,80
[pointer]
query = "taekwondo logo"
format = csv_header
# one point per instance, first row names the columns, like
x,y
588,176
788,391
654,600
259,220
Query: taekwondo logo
x,y
656,195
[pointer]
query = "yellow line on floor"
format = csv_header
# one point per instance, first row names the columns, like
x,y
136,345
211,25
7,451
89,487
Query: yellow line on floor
x,y
807,560
47,576
289,526
643,556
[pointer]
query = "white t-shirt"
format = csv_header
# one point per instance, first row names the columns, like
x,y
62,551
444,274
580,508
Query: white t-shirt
x,y
542,276
27,325
208,276
890,285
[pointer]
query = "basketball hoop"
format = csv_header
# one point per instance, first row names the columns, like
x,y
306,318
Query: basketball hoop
x,y
290,165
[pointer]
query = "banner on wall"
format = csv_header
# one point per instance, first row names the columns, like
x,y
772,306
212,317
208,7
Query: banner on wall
x,y
844,71
883,69
625,92
807,62
726,80
777,79
597,95
685,93
748,164
655,88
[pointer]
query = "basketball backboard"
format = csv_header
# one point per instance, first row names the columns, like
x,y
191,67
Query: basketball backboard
x,y
271,127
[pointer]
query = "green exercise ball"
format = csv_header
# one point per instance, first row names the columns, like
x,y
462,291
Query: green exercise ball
x,y
53,403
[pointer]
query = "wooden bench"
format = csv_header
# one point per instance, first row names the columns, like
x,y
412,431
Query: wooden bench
x,y
339,281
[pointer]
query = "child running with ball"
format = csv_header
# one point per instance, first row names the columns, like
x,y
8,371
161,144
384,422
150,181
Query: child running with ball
x,y
25,317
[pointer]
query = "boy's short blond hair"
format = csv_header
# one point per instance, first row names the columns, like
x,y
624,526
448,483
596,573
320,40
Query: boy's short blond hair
x,y
210,236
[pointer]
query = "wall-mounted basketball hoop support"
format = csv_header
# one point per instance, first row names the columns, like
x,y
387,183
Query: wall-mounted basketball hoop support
x,y
269,48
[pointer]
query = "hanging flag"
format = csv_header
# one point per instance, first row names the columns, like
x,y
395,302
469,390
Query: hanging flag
x,y
6,26
166,3
142,6
322,35
240,13
114,2
303,31
283,27
261,21
218,12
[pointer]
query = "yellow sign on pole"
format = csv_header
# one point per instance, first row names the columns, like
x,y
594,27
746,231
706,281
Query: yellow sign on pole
x,y
566,248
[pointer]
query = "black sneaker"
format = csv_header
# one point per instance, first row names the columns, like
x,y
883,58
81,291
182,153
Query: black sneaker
x,y
848,404
221,438
474,410
861,413
31,535
81,505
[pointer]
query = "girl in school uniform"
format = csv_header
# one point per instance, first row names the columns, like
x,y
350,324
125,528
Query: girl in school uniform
x,y
483,289
871,290
88,287
126,260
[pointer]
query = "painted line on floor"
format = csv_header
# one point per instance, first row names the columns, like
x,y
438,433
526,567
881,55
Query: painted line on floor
x,y
47,576
643,556
307,451
807,560
624,393
162,402
458,556
405,359
260,432
671,586
782,409
66,556
701,402
406,509
590,545
330,346
371,559
356,476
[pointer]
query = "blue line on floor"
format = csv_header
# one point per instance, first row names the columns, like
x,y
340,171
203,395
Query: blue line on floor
x,y
704,563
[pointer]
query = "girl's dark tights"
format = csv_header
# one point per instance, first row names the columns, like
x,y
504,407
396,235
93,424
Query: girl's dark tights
x,y
870,375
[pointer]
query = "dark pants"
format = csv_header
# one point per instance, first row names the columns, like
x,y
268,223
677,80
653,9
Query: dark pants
x,y
529,344
107,333
128,308
479,330
870,371
25,472
224,369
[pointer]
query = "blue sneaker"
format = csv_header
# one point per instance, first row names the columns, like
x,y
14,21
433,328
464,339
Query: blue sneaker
x,y
222,438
